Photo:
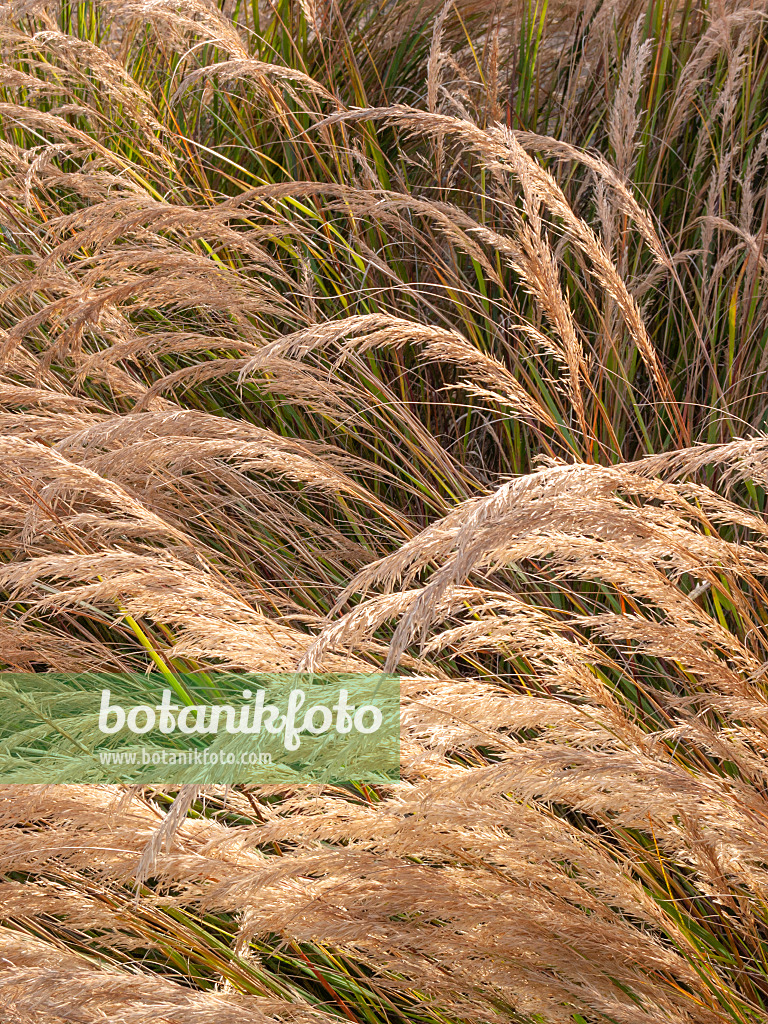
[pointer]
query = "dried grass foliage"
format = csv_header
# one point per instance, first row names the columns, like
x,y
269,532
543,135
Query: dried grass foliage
x,y
236,422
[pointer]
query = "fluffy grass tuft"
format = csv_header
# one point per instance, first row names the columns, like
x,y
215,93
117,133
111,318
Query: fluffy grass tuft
x,y
337,335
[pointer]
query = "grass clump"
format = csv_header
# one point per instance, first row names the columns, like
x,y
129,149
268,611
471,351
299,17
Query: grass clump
x,y
342,336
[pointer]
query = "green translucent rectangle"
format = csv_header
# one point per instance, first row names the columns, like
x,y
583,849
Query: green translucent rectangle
x,y
220,728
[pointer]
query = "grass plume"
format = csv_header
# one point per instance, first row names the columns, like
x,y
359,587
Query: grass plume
x,y
337,335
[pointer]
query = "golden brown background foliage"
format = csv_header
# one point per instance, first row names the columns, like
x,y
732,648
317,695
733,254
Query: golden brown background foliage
x,y
340,335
